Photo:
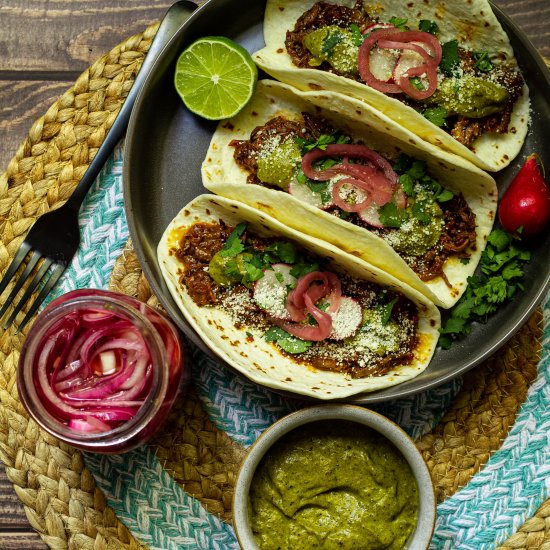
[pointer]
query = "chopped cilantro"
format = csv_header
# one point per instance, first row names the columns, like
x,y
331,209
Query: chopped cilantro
x,y
445,195
400,23
317,186
327,163
252,273
499,239
483,63
392,216
331,41
464,261
299,269
426,25
417,169
301,177
436,115
322,142
403,163
387,311
449,57
407,183
326,196
285,251
501,269
344,215
279,277
417,83
286,341
357,36
419,212
249,334
233,245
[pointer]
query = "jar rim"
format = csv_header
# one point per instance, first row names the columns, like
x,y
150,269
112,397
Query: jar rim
x,y
49,422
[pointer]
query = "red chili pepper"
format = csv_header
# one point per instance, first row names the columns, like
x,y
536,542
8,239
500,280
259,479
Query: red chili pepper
x,y
526,202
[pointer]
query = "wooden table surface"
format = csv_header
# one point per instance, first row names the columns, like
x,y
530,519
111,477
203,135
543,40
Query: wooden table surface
x,y
44,46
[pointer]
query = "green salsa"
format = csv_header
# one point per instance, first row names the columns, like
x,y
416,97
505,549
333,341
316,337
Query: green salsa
x,y
415,237
470,96
334,45
333,485
278,165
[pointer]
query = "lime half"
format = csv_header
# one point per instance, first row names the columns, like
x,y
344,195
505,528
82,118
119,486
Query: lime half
x,y
215,77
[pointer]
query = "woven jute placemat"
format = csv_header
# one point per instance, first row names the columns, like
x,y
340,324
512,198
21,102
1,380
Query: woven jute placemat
x,y
60,495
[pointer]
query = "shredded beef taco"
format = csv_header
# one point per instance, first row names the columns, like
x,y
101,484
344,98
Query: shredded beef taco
x,y
290,311
444,70
370,188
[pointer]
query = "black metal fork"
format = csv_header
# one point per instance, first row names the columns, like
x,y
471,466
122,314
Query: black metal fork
x,y
55,236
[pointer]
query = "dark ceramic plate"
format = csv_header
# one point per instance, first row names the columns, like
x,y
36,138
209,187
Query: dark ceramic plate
x,y
166,145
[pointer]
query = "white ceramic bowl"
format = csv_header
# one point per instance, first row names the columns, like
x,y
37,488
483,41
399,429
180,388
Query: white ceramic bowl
x,y
421,536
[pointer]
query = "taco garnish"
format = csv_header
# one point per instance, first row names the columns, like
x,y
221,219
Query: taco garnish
x,y
398,201
290,309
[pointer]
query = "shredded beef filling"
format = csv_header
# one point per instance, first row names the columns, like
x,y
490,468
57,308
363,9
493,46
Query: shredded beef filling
x,y
464,130
200,243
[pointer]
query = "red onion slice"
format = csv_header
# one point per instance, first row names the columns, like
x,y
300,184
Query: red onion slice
x,y
416,41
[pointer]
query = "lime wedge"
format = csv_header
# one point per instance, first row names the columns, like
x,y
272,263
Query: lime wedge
x,y
215,77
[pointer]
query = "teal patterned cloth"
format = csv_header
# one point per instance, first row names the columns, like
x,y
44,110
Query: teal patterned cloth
x,y
494,504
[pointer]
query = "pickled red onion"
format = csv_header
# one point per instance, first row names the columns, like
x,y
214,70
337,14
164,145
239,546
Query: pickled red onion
x,y
302,300
345,150
394,39
86,397
309,332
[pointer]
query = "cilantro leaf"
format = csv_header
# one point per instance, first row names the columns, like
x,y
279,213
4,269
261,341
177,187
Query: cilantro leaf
x,y
407,183
499,239
403,163
331,41
450,58
322,142
314,186
436,115
299,269
419,212
357,36
417,170
392,216
233,245
417,83
483,62
284,250
387,311
286,341
445,195
252,273
400,23
425,25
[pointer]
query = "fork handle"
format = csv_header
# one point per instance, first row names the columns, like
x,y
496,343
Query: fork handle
x,y
176,15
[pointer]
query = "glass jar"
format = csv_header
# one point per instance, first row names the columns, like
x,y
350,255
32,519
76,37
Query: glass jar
x,y
71,379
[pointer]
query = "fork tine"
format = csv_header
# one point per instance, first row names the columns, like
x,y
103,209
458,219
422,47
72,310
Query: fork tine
x,y
54,277
30,289
20,282
14,266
